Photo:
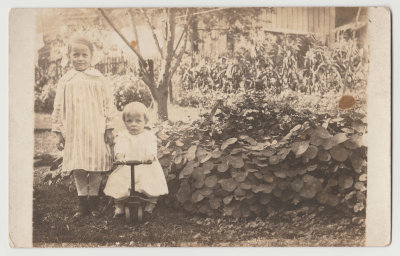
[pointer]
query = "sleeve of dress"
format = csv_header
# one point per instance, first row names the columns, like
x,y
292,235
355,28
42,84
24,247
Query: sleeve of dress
x,y
121,145
108,103
151,147
58,108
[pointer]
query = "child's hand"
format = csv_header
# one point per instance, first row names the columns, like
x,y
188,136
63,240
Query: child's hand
x,y
109,137
60,141
119,157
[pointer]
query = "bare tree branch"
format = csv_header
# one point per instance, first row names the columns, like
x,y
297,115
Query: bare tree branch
x,y
152,31
166,65
184,30
122,36
147,79
179,58
134,29
182,51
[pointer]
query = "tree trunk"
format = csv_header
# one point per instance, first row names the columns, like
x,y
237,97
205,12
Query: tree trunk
x,y
161,98
171,95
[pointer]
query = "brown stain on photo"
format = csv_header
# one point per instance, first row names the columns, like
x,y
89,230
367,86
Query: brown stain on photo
x,y
347,102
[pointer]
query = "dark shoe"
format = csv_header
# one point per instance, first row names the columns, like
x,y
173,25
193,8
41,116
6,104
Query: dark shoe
x,y
83,207
93,206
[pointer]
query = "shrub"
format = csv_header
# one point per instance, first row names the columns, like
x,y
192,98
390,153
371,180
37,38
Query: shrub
x,y
255,157
129,88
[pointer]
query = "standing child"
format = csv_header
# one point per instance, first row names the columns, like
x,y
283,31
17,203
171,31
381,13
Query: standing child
x,y
136,143
82,122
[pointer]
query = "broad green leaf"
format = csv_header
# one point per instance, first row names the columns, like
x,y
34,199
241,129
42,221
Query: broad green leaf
x,y
265,199
251,170
363,177
358,207
207,167
258,175
312,168
191,154
211,181
198,173
297,184
251,141
280,173
300,147
311,152
358,125
332,182
236,151
183,193
322,132
223,167
308,192
265,188
245,186
323,197
198,184
339,153
333,200
324,155
197,197
297,127
359,185
283,153
239,176
228,184
178,159
340,138
345,182
215,203
205,158
205,191
188,169
228,142
239,192
268,152
274,160
315,140
216,154
227,199
179,143
361,196
356,162
236,162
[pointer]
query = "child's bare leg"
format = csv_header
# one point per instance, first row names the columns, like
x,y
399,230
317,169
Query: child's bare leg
x,y
119,208
81,183
94,179
149,206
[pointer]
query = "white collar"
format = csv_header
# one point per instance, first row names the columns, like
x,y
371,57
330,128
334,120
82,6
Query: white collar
x,y
90,71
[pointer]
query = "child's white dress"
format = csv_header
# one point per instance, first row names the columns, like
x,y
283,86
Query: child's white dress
x,y
149,179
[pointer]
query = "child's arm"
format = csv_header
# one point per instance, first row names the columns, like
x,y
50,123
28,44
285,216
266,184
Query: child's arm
x,y
58,114
108,103
151,147
108,111
120,148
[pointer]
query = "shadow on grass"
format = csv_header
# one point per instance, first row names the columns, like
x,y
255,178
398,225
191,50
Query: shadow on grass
x,y
53,226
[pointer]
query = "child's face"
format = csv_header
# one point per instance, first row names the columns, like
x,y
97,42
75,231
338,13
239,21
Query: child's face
x,y
134,123
80,56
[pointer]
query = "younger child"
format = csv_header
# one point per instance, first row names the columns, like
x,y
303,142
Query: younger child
x,y
136,143
82,122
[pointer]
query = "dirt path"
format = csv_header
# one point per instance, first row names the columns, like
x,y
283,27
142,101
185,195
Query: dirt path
x,y
54,227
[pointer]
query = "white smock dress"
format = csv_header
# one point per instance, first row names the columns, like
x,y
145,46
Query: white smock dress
x,y
149,179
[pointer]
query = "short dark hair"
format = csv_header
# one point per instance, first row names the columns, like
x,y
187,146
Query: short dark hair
x,y
80,40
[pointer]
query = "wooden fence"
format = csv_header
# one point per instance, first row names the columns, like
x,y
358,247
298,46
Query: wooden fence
x,y
114,65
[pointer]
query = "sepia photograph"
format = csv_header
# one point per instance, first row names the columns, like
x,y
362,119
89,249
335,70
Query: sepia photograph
x,y
200,127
